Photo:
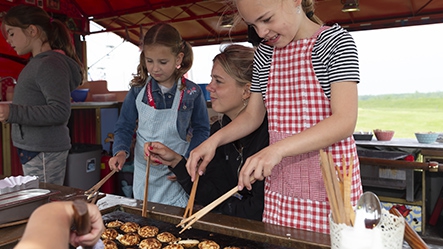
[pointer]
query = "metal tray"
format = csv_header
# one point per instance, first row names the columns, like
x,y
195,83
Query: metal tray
x,y
20,204
225,230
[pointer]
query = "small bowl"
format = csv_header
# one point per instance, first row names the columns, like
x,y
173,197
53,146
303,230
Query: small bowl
x,y
79,95
363,136
383,135
426,137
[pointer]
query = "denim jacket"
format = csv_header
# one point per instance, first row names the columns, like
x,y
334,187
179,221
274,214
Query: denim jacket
x,y
192,115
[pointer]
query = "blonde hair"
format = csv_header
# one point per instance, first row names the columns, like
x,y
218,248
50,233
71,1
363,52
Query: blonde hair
x,y
307,6
166,35
237,60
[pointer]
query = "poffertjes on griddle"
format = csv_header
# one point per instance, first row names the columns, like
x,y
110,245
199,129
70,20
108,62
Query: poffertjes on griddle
x,y
148,231
114,224
109,244
109,233
208,244
150,243
148,237
129,239
174,246
130,227
166,237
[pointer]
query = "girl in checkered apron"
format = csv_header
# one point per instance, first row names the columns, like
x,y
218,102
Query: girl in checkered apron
x,y
305,78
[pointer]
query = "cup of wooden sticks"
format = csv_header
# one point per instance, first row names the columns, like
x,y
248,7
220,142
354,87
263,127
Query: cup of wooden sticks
x,y
344,233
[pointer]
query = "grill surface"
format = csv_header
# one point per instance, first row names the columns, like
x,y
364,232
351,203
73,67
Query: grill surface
x,y
222,240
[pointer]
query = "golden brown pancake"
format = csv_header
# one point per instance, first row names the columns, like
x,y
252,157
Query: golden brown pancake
x,y
174,246
166,237
114,224
148,231
150,243
130,227
109,233
208,244
129,239
109,244
188,243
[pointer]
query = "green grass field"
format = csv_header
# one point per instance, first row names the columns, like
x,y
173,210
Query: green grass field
x,y
403,113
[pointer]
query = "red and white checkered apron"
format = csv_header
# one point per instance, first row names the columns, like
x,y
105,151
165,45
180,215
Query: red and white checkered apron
x,y
295,195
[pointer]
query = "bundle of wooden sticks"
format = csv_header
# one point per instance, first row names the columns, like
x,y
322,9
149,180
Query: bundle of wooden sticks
x,y
338,188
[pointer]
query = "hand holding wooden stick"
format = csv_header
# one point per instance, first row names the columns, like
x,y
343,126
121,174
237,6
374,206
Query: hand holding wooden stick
x,y
145,197
193,218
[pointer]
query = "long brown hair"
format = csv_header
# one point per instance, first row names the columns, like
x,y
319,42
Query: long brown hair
x,y
55,32
166,35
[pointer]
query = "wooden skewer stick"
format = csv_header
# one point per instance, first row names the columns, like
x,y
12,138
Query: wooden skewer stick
x,y
337,192
347,182
329,188
145,198
190,206
193,218
411,237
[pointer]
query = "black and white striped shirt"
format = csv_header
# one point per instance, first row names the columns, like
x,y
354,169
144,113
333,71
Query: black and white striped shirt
x,y
334,58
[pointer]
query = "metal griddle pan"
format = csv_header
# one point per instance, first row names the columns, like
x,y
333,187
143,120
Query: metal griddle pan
x,y
225,230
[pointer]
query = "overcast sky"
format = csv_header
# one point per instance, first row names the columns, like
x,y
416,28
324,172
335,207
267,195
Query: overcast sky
x,y
396,60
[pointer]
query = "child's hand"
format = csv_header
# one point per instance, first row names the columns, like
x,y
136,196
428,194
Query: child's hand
x,y
4,112
116,162
161,154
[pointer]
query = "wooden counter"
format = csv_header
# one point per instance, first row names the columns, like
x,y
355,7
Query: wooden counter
x,y
400,143
231,226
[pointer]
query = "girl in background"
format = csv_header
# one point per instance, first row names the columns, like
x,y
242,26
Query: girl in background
x,y
305,77
41,105
229,90
161,106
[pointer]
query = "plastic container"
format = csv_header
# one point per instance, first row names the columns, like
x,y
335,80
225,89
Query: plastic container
x,y
363,136
83,166
104,97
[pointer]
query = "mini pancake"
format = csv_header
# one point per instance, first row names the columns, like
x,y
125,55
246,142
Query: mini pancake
x,y
130,227
109,233
208,244
166,237
150,243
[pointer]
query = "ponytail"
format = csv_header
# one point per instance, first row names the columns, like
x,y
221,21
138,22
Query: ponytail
x,y
54,31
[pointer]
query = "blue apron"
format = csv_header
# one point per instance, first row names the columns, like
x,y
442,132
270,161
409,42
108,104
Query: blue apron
x,y
158,125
